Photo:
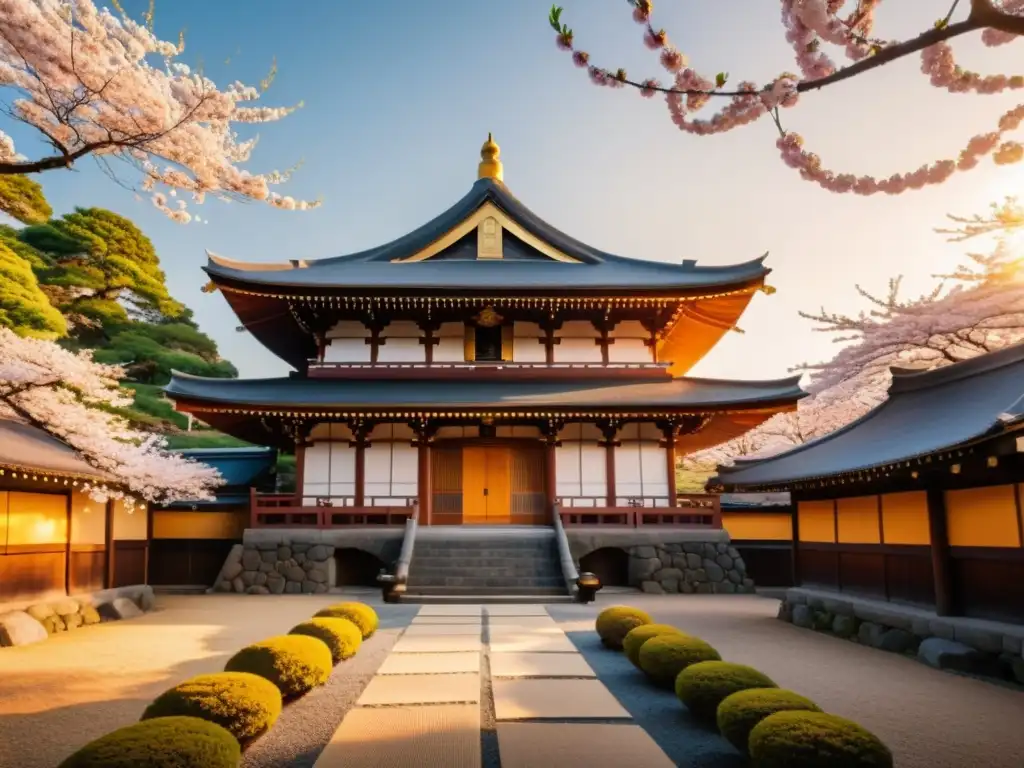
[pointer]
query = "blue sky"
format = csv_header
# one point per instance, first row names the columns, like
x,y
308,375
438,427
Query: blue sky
x,y
399,95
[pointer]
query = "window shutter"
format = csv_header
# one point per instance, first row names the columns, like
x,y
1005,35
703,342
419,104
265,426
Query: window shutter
x,y
506,343
470,343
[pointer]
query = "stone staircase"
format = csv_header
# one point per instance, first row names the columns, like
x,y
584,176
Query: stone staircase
x,y
485,564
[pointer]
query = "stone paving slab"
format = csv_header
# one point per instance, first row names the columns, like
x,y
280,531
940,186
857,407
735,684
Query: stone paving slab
x,y
540,665
437,644
578,745
430,663
526,642
421,689
516,610
451,610
440,736
423,630
448,620
522,621
555,700
515,629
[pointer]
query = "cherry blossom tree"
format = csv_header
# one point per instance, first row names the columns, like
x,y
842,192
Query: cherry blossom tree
x,y
808,25
71,397
82,77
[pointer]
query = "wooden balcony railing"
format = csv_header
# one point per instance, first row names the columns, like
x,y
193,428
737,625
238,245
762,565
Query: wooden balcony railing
x,y
701,510
285,511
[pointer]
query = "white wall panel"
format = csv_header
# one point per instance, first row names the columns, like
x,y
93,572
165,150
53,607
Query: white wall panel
x,y
347,351
401,350
348,329
527,350
629,351
580,473
576,350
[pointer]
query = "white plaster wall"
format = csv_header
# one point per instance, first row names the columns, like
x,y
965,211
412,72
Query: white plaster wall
x,y
330,431
451,345
391,473
348,329
581,479
528,343
344,350
629,351
401,350
641,471
577,343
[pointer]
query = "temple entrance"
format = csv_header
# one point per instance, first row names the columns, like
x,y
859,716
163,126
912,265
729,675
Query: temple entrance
x,y
489,484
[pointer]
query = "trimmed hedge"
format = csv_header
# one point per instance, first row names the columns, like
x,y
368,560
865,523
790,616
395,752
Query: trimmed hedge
x,y
244,704
294,663
340,635
613,624
662,658
815,740
637,636
360,614
703,686
164,742
740,712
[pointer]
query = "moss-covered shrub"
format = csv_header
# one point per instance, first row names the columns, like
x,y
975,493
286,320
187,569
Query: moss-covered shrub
x,y
637,636
613,624
164,742
815,740
740,712
662,658
244,704
703,686
360,614
341,635
294,663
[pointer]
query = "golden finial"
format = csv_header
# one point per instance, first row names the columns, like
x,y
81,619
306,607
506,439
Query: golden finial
x,y
490,165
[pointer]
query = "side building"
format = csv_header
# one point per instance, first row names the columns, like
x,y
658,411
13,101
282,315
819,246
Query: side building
x,y
918,503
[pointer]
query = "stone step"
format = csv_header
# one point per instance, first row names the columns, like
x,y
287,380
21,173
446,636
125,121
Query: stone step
x,y
477,562
488,547
499,566
464,599
485,581
474,590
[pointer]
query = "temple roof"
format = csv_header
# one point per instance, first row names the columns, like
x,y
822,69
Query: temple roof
x,y
25,447
524,254
926,413
363,394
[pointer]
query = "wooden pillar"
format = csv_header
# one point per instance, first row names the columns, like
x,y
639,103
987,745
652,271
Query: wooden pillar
x,y
795,549
550,467
670,461
609,430
423,482
67,544
108,542
149,542
549,341
360,489
429,340
939,533
300,472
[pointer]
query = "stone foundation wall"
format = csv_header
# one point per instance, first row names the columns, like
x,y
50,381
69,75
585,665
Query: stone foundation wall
x,y
271,567
688,568
964,645
38,621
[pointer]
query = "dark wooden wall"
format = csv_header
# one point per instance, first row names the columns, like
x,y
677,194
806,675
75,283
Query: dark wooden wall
x,y
901,574
129,562
187,562
769,563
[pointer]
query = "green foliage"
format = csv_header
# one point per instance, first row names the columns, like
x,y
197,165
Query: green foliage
x,y
703,686
637,636
613,624
360,614
662,658
245,705
296,664
151,351
342,636
740,712
9,237
108,253
815,740
207,438
24,307
164,742
22,198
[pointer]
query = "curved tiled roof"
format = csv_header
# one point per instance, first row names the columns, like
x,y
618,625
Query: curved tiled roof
x,y
594,270
926,412
25,447
361,394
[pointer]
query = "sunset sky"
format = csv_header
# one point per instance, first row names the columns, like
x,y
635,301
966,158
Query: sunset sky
x,y
399,95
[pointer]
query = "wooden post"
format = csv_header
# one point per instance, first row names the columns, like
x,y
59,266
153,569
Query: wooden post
x,y
149,543
670,461
360,490
108,542
300,471
609,430
67,544
794,513
253,508
939,534
550,476
424,476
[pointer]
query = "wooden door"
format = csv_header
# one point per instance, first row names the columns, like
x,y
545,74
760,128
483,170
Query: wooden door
x,y
446,485
529,498
486,485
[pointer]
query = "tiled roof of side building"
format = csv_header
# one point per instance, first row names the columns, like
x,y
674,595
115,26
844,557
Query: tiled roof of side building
x,y
458,268
369,394
926,412
26,447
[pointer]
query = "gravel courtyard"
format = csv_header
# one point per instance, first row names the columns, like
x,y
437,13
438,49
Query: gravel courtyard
x,y
58,695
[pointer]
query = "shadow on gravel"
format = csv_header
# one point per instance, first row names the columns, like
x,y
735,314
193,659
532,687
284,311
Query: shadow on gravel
x,y
688,743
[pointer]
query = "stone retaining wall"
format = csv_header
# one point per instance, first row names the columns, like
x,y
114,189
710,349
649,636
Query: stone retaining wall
x,y
38,621
688,568
965,645
276,567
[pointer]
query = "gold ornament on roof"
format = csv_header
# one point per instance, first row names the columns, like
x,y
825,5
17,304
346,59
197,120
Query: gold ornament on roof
x,y
490,166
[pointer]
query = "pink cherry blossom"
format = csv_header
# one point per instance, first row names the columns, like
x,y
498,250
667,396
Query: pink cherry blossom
x,y
83,77
65,394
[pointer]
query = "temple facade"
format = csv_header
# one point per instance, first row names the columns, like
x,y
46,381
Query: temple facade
x,y
485,368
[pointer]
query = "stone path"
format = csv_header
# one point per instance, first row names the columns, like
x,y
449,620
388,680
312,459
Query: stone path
x,y
430,700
